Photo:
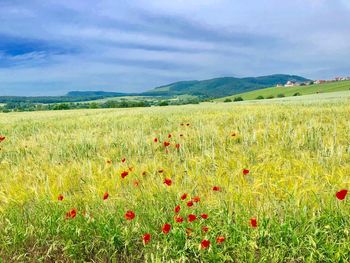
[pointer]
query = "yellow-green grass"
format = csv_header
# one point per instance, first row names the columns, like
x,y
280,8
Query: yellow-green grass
x,y
298,156
290,91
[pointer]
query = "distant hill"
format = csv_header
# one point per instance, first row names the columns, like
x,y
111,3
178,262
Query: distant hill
x,y
220,87
274,92
95,94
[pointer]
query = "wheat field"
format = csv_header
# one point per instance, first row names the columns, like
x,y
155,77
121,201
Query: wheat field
x,y
263,184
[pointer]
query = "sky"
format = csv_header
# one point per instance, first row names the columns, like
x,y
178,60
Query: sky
x,y
50,47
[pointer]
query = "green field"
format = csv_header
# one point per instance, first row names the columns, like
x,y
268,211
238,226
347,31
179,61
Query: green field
x,y
290,91
265,174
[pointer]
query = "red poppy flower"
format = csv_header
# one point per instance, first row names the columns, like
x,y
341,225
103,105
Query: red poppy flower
x,y
166,144
196,199
253,222
189,203
181,135
105,196
144,173
2,138
60,197
160,171
146,238
71,213
155,139
205,244
184,196
233,134
205,229
177,209
341,194
216,188
166,228
245,171
177,146
220,239
124,174
179,219
204,216
191,217
131,168
167,181
129,215
123,160
169,135
182,124
188,124
109,161
136,183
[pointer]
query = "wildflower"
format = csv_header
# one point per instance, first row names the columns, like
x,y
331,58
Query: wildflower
x,y
129,215
188,124
179,219
191,217
181,135
155,139
160,171
144,173
167,181
146,238
166,144
184,196
60,197
205,244
220,239
123,160
71,213
136,183
216,188
177,146
124,174
109,161
341,194
245,171
2,138
169,135
131,168
253,222
233,134
105,196
204,216
205,229
189,203
196,199
166,228
177,209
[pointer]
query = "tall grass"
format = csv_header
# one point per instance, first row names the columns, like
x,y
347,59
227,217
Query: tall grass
x,y
298,157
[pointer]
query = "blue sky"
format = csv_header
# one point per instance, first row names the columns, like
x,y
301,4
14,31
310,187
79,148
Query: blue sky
x,y
52,47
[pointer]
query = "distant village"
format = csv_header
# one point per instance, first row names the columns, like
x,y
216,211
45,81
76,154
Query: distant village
x,y
294,83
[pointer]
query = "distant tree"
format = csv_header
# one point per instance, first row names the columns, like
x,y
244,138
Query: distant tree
x,y
227,100
238,99
296,94
260,97
163,103
270,97
281,95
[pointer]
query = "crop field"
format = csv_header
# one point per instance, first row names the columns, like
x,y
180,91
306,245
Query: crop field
x,y
215,182
290,91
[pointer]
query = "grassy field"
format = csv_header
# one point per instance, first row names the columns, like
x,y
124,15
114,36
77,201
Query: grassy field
x,y
290,91
265,174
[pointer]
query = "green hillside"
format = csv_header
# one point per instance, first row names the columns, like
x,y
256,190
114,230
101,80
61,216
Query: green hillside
x,y
220,87
292,91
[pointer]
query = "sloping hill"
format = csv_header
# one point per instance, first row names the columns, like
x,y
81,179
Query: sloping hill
x,y
291,91
220,87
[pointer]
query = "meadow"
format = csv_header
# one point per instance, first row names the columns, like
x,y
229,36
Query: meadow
x,y
215,182
291,91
